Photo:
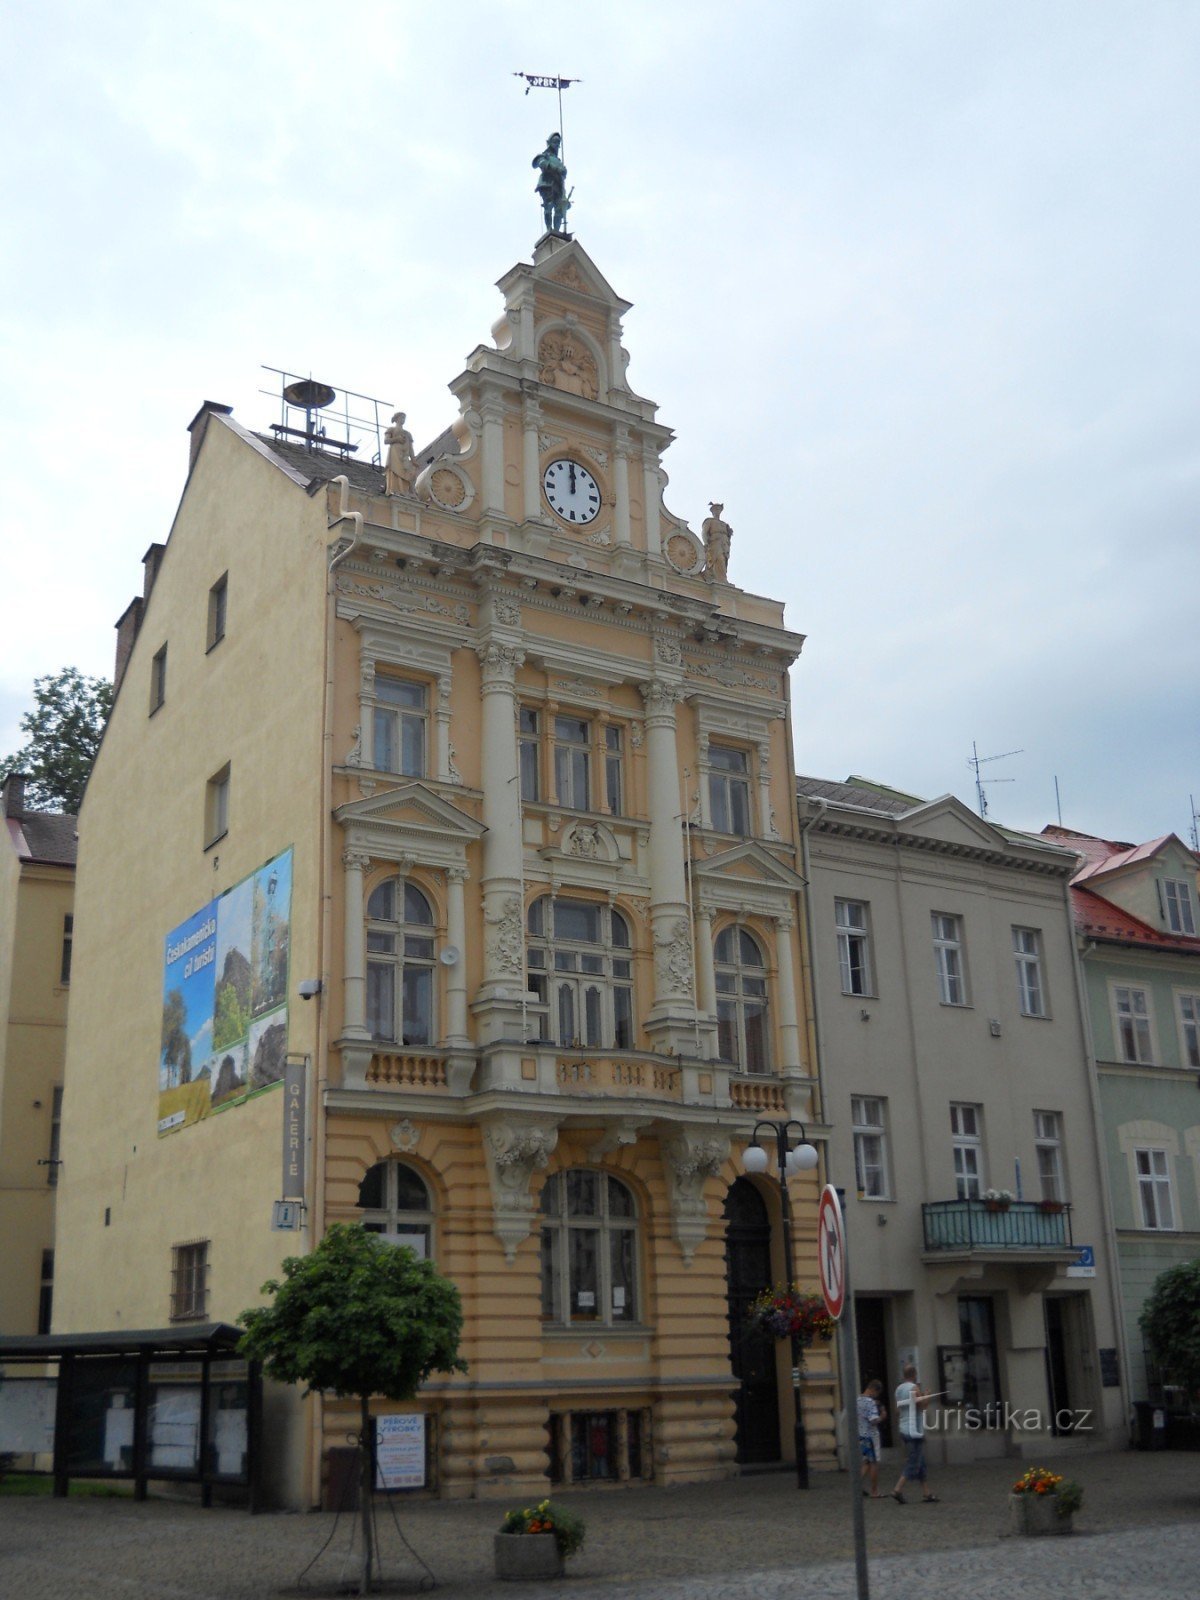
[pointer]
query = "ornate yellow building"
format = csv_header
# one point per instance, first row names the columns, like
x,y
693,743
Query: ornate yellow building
x,y
480,750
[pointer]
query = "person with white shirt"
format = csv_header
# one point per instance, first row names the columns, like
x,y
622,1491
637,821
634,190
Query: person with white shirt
x,y
911,1401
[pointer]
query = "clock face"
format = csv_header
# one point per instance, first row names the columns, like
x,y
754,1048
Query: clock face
x,y
572,491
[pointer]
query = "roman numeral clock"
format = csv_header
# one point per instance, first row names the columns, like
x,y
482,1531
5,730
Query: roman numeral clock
x,y
571,491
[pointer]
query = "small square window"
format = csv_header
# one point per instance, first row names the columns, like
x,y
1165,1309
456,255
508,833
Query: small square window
x,y
217,603
158,679
216,807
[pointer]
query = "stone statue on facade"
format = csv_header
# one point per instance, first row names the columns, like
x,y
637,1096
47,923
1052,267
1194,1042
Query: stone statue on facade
x,y
552,185
717,536
400,467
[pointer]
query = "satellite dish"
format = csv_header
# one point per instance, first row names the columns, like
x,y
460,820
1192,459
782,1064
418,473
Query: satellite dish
x,y
449,957
310,394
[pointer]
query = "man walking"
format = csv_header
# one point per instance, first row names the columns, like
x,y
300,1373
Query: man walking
x,y
911,1401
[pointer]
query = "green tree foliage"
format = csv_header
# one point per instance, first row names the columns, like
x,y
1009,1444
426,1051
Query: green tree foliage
x,y
230,1021
176,1046
63,731
1170,1320
357,1317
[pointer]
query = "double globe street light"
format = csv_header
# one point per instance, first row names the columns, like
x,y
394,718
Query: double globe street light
x,y
789,1159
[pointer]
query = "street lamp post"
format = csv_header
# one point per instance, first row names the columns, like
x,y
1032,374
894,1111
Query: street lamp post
x,y
790,1158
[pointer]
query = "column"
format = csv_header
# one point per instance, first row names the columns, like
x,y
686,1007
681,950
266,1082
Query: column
x,y
706,972
456,976
672,1018
766,827
785,990
503,912
621,528
354,957
531,459
442,723
652,499
492,452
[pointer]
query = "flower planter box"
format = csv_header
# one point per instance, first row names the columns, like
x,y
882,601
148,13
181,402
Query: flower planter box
x,y
1035,1514
995,1205
526,1557
1051,1208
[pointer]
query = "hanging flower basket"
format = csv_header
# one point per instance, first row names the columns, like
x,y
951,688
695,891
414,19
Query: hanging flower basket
x,y
784,1313
1051,1207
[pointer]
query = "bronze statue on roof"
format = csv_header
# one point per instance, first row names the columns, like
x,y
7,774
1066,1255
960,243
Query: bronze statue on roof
x,y
552,185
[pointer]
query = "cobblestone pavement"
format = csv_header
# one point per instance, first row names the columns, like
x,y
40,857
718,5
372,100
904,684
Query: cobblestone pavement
x,y
756,1538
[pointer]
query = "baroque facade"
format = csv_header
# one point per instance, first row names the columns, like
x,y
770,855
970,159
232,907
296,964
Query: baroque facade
x,y
959,1088
499,767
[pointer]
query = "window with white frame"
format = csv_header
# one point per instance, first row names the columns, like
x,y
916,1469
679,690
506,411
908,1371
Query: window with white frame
x,y
1178,905
1154,1189
966,1139
614,770
400,964
529,725
1027,953
870,1147
400,726
741,974
1134,1039
729,790
395,1204
573,763
1189,1029
216,806
580,964
948,959
589,1250
853,944
1048,1143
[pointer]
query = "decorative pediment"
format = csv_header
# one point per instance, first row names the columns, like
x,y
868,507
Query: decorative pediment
x,y
947,819
748,864
568,266
410,820
585,841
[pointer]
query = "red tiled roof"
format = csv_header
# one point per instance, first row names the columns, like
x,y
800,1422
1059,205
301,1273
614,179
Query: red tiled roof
x,y
1108,855
1098,918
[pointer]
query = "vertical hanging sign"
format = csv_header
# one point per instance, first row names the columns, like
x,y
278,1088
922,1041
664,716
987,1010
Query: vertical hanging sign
x,y
295,1091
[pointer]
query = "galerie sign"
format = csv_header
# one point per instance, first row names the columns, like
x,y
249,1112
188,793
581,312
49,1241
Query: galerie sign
x,y
224,1016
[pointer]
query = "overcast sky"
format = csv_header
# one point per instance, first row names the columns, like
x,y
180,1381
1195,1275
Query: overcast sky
x,y
915,284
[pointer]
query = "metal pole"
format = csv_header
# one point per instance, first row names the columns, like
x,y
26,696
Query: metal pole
x,y
801,1441
849,1385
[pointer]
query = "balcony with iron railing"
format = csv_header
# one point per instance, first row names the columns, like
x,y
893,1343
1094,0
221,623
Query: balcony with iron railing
x,y
1016,1227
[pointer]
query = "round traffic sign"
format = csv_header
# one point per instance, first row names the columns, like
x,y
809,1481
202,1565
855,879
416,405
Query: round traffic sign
x,y
831,1252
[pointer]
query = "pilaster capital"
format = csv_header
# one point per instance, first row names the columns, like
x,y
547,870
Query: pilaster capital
x,y
661,698
457,874
355,859
499,663
693,1155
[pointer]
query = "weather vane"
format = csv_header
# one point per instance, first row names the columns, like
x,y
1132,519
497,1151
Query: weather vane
x,y
551,186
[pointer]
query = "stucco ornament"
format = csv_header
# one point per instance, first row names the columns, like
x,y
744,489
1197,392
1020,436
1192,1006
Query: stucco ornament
x,y
673,959
507,612
405,1137
692,1157
505,944
400,466
584,841
568,364
514,1151
717,537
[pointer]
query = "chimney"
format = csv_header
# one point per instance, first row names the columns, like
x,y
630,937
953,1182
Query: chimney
x,y
151,562
198,424
127,625
14,794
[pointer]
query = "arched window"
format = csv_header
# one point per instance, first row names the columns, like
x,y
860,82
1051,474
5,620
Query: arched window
x,y
395,1203
399,964
589,1249
741,1000
581,970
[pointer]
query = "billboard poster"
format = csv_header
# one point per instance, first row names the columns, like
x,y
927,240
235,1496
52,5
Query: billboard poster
x,y
224,1016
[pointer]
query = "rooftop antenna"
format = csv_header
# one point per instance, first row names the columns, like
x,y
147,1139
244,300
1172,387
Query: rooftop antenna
x,y
1057,800
1195,823
309,396
976,760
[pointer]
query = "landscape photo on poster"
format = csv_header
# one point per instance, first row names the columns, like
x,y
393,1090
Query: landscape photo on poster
x,y
225,986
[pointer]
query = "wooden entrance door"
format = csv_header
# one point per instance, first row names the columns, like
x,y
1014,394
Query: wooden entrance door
x,y
751,1355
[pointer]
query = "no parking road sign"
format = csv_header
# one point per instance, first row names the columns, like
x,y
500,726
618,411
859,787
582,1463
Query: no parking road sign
x,y
831,1252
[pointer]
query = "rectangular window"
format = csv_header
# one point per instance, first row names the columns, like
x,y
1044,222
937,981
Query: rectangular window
x,y
46,1294
1027,953
217,597
64,969
1133,1025
1177,906
53,1161
527,742
1189,1029
1154,1189
729,790
572,763
399,726
614,785
189,1281
967,1143
870,1147
948,959
1047,1130
854,956
158,679
970,1372
216,807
